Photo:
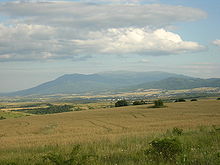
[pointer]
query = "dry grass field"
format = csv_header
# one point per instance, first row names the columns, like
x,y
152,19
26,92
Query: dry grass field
x,y
110,123
112,135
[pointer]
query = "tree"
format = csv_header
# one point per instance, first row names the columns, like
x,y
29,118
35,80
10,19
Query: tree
x,y
121,103
138,102
180,100
2,118
158,103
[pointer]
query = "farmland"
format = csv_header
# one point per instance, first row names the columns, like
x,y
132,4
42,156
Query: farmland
x,y
42,133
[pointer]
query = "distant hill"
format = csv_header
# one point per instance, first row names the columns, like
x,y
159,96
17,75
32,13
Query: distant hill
x,y
174,83
116,81
94,83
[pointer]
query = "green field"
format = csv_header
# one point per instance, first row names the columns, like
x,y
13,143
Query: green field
x,y
114,135
8,114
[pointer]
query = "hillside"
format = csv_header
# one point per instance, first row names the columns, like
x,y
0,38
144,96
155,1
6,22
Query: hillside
x,y
93,124
114,82
121,135
174,83
94,83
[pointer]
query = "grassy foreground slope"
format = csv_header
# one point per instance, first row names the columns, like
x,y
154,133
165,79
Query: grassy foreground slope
x,y
91,125
116,135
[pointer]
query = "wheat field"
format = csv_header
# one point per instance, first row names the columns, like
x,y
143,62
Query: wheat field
x,y
111,123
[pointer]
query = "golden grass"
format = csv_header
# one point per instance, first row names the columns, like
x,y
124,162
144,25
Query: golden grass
x,y
110,123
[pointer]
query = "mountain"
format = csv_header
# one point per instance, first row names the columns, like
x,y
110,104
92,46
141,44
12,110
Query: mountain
x,y
130,78
116,81
94,83
174,83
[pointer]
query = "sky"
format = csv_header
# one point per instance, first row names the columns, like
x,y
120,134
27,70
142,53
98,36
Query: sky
x,y
41,40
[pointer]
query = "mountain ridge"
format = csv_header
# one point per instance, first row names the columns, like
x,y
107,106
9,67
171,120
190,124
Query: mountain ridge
x,y
113,81
174,83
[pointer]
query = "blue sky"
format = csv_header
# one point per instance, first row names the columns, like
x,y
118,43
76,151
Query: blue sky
x,y
41,40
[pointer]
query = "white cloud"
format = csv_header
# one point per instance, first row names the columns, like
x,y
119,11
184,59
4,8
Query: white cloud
x,y
144,61
135,41
98,16
34,42
73,30
39,42
216,42
24,41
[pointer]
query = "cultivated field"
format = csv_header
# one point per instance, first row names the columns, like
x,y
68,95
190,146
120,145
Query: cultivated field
x,y
112,124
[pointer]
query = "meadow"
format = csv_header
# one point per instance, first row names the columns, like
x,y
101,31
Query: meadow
x,y
119,135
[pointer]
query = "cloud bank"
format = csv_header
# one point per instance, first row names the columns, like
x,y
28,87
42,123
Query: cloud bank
x,y
98,16
64,30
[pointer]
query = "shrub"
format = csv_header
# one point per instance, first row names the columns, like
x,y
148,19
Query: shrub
x,y
121,103
138,102
215,128
177,131
158,104
2,118
49,110
180,100
90,107
218,98
166,148
194,100
76,157
78,109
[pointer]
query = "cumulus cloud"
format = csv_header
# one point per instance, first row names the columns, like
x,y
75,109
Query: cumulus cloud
x,y
33,42
136,41
216,42
40,42
65,30
23,41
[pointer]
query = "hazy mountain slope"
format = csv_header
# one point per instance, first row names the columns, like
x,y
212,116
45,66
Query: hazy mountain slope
x,y
116,81
75,83
138,77
173,83
80,83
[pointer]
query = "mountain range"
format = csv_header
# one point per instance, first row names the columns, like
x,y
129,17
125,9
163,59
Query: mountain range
x,y
118,80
